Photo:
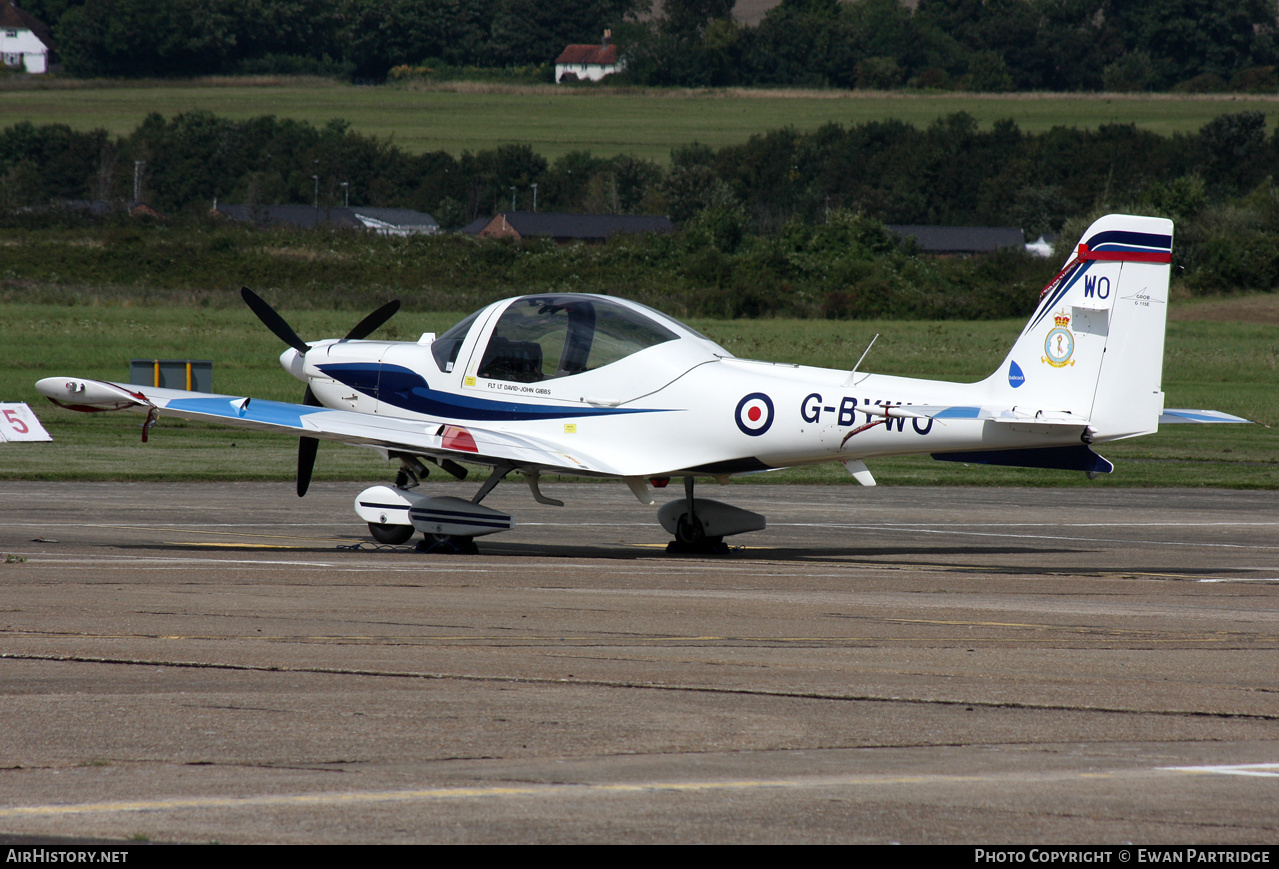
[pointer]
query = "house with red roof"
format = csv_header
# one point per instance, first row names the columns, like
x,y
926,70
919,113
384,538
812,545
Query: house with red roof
x,y
565,228
588,62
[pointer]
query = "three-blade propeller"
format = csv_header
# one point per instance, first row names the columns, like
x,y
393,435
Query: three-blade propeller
x,y
270,318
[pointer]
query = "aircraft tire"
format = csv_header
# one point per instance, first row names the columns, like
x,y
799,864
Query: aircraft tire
x,y
447,544
689,530
691,539
392,535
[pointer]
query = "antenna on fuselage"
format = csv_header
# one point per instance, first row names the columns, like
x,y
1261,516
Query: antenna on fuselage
x,y
853,373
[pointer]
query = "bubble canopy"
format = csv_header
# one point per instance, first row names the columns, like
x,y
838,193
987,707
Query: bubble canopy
x,y
544,337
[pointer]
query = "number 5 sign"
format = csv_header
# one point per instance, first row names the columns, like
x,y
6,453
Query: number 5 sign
x,y
19,423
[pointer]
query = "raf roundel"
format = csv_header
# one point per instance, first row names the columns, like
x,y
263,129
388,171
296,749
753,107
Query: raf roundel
x,y
755,414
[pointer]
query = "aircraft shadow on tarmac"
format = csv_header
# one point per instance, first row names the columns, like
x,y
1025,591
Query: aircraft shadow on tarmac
x,y
622,551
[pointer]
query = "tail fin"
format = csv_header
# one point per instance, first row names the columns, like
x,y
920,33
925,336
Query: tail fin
x,y
1093,350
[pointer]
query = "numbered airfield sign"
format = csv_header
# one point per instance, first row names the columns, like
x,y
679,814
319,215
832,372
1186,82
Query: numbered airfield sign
x,y
18,423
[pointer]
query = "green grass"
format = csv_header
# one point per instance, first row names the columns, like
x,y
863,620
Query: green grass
x,y
1229,366
554,121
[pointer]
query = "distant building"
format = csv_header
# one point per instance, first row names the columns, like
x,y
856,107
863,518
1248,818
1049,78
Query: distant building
x,y
588,62
396,221
24,42
303,216
386,221
476,225
563,228
959,240
138,208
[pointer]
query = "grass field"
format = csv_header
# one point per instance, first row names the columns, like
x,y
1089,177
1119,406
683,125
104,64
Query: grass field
x,y
1220,354
554,121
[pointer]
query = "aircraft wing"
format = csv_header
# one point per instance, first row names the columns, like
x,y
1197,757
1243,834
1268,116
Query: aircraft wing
x,y
441,438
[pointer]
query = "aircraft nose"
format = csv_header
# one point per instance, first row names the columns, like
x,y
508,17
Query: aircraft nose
x,y
293,362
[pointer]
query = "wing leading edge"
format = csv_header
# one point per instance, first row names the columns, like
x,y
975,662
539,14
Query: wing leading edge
x,y
442,438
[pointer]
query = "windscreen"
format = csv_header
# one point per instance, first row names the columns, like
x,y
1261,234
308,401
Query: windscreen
x,y
544,337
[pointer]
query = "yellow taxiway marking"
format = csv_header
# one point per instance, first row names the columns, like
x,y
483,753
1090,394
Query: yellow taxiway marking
x,y
338,799
553,790
235,545
168,529
1251,769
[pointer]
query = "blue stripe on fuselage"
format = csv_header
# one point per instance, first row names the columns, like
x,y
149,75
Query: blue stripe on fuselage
x,y
406,389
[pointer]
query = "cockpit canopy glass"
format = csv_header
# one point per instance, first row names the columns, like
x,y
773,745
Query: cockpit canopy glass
x,y
545,337
445,347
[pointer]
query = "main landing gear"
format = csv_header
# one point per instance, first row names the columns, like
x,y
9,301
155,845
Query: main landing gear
x,y
447,544
700,524
690,532
450,525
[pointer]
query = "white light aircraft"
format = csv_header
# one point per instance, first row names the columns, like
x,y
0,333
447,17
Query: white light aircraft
x,y
598,386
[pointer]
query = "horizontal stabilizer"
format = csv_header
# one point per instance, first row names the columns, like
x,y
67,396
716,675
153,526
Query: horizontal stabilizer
x,y
1179,415
1076,458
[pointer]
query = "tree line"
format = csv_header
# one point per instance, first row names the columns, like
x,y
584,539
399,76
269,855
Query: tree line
x,y
784,209
982,45
977,45
353,38
951,172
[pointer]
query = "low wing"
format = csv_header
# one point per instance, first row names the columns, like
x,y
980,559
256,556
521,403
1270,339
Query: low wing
x,y
441,438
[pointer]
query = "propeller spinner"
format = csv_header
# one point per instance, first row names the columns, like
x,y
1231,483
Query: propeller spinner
x,y
270,318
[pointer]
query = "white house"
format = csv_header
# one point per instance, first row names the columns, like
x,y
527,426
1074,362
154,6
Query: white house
x,y
24,42
588,62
